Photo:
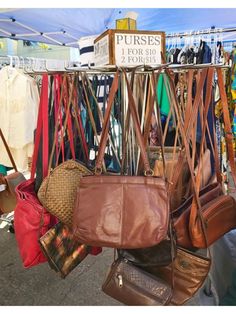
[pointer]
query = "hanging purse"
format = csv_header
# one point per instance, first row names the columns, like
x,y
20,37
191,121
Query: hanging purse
x,y
133,286
57,192
171,154
31,220
190,272
121,211
8,195
129,280
205,223
218,216
158,255
181,215
62,250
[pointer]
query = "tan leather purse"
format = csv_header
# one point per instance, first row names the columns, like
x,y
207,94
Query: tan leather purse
x,y
8,195
201,225
189,270
121,211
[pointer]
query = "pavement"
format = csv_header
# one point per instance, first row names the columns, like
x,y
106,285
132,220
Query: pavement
x,y
40,285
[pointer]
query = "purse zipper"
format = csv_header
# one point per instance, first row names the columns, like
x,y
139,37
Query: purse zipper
x,y
120,281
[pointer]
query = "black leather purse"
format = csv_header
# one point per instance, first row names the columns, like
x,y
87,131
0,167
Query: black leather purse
x,y
158,255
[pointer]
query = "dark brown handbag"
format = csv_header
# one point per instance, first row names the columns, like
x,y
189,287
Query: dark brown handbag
x,y
158,255
121,211
190,271
8,196
133,286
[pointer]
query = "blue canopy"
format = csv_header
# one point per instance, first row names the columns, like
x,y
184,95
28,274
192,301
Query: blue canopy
x,y
67,26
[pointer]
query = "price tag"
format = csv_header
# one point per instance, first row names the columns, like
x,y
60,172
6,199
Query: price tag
x,y
2,187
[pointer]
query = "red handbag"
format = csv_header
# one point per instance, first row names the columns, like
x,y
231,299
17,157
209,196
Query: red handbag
x,y
31,220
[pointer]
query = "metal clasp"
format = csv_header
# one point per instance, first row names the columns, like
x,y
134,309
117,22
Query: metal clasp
x,y
149,173
120,281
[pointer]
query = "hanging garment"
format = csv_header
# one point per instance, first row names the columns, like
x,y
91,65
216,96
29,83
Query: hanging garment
x,y
86,45
19,99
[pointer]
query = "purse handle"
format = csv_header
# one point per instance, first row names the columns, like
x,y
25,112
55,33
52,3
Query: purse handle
x,y
228,132
186,128
194,211
131,106
100,114
42,119
140,140
65,121
8,150
184,134
78,122
105,127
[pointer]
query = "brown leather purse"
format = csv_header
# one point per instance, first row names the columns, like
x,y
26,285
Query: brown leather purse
x,y
205,223
8,196
181,215
133,286
218,216
121,211
189,270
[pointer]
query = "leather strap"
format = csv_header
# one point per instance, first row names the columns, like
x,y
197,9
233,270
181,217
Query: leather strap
x,y
56,90
228,131
186,146
194,212
38,131
78,122
57,124
70,129
45,125
155,77
8,150
106,121
189,123
100,115
90,113
140,140
126,126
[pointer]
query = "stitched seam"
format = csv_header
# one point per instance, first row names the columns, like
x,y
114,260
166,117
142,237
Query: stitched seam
x,y
122,215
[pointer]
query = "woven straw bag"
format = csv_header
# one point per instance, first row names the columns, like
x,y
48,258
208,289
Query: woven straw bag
x,y
57,192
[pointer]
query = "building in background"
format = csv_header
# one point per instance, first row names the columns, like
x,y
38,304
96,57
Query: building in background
x,y
37,50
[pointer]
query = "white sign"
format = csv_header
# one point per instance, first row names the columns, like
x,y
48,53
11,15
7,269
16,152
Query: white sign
x,y
101,51
135,49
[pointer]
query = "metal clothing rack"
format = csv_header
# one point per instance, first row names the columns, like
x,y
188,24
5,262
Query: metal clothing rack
x,y
30,64
211,30
109,70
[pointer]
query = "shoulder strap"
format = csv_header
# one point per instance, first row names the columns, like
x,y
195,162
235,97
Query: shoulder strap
x,y
39,129
45,125
106,121
8,150
228,132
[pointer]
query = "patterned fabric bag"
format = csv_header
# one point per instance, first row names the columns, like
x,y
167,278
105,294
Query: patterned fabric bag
x,y
63,251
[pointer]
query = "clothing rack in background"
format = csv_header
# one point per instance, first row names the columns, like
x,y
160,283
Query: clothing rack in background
x,y
211,30
32,65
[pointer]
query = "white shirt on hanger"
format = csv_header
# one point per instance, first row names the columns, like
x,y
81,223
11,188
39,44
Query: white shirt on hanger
x,y
19,101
